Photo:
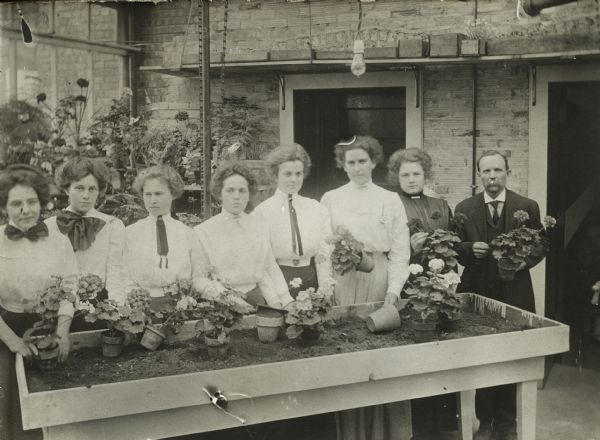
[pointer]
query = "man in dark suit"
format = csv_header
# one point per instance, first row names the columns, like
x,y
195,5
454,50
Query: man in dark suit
x,y
489,214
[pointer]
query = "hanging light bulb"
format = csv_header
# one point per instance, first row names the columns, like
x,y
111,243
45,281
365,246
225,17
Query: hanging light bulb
x,y
358,66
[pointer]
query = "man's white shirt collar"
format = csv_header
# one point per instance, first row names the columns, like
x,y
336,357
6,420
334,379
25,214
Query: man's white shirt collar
x,y
501,197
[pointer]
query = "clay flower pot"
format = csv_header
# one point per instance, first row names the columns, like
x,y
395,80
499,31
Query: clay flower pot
x,y
447,324
505,271
424,331
111,345
384,319
152,338
310,336
215,348
268,324
366,263
47,358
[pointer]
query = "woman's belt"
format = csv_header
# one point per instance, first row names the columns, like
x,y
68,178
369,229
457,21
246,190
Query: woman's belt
x,y
295,262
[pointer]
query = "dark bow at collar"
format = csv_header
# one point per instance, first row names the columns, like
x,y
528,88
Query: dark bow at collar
x,y
80,230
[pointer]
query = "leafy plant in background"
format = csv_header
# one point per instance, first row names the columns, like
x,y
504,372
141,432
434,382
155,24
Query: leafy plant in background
x,y
236,129
347,251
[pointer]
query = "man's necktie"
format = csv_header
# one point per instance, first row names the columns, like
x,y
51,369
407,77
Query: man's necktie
x,y
495,215
162,245
80,230
32,234
296,240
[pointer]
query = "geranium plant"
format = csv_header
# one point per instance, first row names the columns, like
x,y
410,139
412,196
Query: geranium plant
x,y
47,305
347,252
181,302
130,317
310,312
433,292
515,249
222,311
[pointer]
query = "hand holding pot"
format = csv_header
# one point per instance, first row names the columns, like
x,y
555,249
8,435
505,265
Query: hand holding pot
x,y
18,345
417,240
390,299
480,249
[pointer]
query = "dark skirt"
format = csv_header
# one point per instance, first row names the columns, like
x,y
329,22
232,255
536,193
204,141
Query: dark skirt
x,y
308,275
19,322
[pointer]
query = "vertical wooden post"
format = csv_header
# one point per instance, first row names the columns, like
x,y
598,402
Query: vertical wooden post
x,y
526,409
466,402
204,73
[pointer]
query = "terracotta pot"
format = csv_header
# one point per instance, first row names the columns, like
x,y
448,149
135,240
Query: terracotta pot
x,y
449,325
424,331
384,319
215,348
366,263
310,336
504,273
268,327
47,359
111,345
152,338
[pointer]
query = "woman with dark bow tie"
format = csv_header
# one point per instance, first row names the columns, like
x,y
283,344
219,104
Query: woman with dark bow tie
x,y
97,238
30,255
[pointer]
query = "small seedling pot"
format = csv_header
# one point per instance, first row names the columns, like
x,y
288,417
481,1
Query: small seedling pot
x,y
152,337
424,331
215,348
47,359
384,319
111,345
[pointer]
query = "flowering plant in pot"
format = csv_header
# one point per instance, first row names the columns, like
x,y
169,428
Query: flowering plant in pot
x,y
43,334
181,300
521,247
308,315
440,244
430,295
129,317
220,313
348,253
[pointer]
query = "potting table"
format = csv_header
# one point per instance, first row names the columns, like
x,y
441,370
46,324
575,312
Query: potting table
x,y
177,405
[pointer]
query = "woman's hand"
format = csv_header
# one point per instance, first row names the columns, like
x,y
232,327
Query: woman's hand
x,y
64,347
390,299
417,240
18,345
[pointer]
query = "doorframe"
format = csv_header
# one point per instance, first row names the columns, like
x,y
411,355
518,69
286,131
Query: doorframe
x,y
538,146
408,79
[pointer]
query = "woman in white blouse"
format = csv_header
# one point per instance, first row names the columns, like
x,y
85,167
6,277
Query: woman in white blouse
x,y
30,255
97,238
298,226
238,245
160,250
376,217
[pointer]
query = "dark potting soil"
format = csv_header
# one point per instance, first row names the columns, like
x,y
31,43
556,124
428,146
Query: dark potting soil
x,y
86,366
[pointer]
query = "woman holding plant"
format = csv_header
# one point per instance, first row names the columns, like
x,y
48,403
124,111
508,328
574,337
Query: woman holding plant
x,y
30,255
298,226
237,245
375,217
410,168
97,238
160,250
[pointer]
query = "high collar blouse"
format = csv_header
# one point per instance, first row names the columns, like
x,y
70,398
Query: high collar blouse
x,y
27,267
314,224
376,217
142,259
105,256
239,248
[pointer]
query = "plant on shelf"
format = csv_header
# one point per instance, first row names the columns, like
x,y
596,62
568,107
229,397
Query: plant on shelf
x,y
521,247
221,313
348,253
307,316
129,317
432,294
128,208
43,333
236,129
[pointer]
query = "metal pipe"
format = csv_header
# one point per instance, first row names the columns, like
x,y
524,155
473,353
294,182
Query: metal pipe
x,y
533,7
474,133
204,71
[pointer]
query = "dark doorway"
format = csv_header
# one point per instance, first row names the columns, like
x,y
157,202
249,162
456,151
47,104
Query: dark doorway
x,y
323,117
573,264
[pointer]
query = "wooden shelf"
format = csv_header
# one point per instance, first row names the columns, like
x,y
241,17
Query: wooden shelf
x,y
340,65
